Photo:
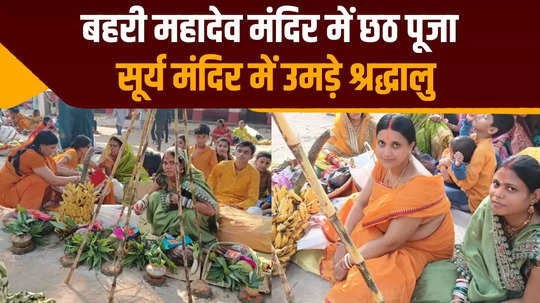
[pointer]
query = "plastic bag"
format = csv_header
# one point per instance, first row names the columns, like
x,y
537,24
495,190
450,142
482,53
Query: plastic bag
x,y
118,191
314,239
108,215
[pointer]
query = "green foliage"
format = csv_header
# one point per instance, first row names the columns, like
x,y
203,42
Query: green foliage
x,y
233,275
136,254
97,250
26,224
156,256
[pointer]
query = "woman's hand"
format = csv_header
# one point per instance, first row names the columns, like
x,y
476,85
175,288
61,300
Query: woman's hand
x,y
74,179
340,272
435,118
138,207
174,199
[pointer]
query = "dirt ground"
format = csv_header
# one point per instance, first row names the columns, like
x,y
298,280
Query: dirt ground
x,y
40,271
307,287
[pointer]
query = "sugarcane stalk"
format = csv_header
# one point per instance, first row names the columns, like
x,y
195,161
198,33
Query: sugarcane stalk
x,y
130,195
178,192
192,188
108,182
86,163
282,276
147,127
296,148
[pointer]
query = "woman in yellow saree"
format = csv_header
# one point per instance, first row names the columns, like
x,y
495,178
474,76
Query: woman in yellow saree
x,y
349,133
396,223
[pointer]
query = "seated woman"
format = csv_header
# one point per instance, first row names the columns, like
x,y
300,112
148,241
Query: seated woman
x,y
397,225
221,130
223,150
162,201
29,174
73,156
499,259
347,138
433,135
35,119
18,120
127,161
349,133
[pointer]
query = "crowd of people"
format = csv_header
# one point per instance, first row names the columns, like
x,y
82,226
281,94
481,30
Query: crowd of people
x,y
406,233
34,175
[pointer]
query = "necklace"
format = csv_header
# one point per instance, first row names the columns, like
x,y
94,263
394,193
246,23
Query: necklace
x,y
388,173
514,230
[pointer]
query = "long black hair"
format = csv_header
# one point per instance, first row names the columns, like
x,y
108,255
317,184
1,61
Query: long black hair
x,y
81,141
528,170
400,123
45,137
229,156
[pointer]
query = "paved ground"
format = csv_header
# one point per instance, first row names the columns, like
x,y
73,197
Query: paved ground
x,y
40,270
307,287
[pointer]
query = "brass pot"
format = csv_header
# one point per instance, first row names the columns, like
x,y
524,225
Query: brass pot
x,y
156,271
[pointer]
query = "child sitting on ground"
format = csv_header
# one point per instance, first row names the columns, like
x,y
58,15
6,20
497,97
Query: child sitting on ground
x,y
460,152
480,171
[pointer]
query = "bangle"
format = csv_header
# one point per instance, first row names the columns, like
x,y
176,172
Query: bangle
x,y
144,202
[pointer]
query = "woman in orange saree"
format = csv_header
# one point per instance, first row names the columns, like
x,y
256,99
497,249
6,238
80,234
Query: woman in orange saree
x,y
30,173
400,221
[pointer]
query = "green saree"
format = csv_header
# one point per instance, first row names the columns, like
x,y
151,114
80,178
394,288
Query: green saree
x,y
127,163
497,268
431,137
164,219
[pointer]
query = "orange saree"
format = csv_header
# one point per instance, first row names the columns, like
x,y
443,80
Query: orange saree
x,y
73,159
395,273
28,189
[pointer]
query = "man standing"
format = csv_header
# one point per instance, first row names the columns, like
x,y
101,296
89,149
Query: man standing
x,y
120,114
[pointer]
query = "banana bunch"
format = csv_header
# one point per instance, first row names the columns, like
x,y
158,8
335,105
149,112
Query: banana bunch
x,y
290,217
77,203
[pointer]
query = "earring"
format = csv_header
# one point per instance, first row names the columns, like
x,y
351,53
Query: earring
x,y
531,209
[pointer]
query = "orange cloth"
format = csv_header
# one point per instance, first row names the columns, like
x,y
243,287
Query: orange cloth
x,y
347,141
34,121
110,198
28,189
73,159
205,161
480,173
395,273
21,122
236,189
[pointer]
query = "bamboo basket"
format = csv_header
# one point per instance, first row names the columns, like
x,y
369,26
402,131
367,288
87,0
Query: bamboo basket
x,y
263,288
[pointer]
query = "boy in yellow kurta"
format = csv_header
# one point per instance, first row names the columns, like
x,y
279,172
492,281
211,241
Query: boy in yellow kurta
x,y
236,182
474,187
203,157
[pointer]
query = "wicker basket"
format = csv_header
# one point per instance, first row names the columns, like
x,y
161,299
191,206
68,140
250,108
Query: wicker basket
x,y
208,264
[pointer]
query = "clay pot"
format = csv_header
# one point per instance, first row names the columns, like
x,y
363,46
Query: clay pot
x,y
21,241
252,291
108,268
66,261
156,271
